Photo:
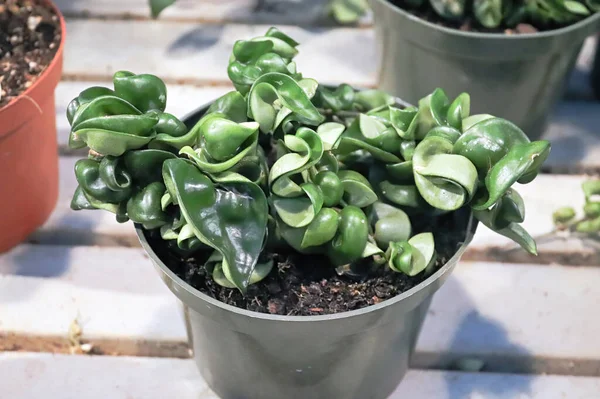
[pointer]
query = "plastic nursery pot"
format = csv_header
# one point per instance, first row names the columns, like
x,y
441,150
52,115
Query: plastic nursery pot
x,y
595,75
352,355
28,154
516,77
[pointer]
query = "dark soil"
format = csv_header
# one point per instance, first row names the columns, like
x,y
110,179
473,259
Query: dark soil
x,y
302,285
29,38
468,25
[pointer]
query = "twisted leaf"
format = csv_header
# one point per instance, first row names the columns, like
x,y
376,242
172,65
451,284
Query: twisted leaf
x,y
390,224
277,86
522,163
446,181
145,92
145,208
351,238
222,143
413,256
216,265
231,217
496,219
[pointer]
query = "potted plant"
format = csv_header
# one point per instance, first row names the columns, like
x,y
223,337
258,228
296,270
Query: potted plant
x,y
513,57
305,228
32,36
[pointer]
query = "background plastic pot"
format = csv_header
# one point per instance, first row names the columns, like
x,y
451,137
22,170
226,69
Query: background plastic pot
x,y
28,154
352,355
595,76
516,77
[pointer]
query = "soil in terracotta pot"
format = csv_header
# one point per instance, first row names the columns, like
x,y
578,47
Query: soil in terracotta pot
x,y
30,35
308,285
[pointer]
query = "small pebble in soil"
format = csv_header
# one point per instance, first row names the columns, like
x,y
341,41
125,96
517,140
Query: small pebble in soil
x,y
29,38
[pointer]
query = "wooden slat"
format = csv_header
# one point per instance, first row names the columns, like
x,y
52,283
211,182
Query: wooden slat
x,y
38,375
114,294
67,227
454,385
575,135
292,12
198,53
513,317
34,375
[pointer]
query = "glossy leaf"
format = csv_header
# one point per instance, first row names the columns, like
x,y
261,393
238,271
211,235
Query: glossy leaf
x,y
521,160
144,207
514,231
146,92
446,181
331,187
322,229
390,224
351,238
357,189
231,218
413,256
277,86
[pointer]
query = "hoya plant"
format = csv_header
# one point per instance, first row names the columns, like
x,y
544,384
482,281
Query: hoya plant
x,y
283,163
565,218
508,13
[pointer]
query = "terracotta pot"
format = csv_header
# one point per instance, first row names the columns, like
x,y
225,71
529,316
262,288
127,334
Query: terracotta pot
x,y
28,154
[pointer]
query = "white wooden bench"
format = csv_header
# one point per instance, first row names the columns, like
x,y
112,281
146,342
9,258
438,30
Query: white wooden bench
x,y
68,329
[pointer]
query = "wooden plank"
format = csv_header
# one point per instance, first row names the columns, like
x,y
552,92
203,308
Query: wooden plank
x,y
100,228
199,53
38,375
453,385
522,318
292,12
114,294
74,377
116,298
575,135
500,314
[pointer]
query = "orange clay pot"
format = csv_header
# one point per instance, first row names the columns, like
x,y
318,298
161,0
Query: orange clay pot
x,y
28,154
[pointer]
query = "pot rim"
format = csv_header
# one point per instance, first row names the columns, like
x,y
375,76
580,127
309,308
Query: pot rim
x,y
56,59
594,18
448,266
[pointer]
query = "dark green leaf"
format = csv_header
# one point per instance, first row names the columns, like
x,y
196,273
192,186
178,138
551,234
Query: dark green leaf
x,y
232,218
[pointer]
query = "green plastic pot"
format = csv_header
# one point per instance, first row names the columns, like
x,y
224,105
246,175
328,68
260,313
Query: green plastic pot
x,y
516,77
352,355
